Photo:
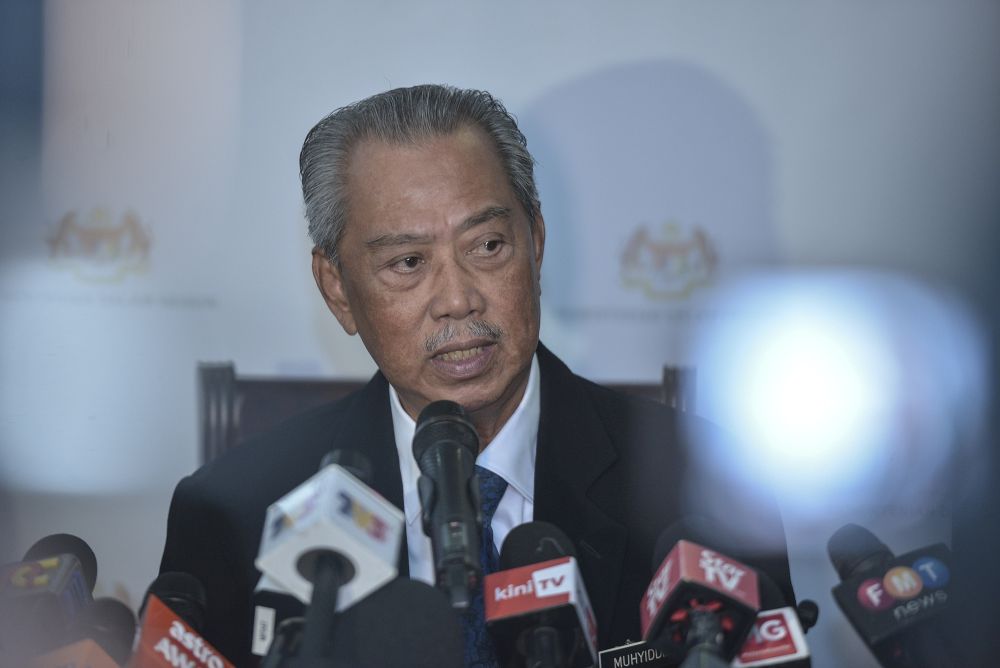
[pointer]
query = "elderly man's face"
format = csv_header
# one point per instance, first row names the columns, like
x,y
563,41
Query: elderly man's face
x,y
439,274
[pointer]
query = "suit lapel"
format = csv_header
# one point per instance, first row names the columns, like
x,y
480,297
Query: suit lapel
x,y
574,449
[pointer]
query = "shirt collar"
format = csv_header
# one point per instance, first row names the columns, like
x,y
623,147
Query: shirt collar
x,y
511,453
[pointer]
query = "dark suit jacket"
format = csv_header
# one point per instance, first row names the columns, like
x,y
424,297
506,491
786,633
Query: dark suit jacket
x,y
610,471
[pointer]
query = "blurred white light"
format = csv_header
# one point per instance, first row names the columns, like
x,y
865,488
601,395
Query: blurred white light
x,y
836,387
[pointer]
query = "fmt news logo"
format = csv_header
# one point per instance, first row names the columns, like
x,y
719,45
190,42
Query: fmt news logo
x,y
908,590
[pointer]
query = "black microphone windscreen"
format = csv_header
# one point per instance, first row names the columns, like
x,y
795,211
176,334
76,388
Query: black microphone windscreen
x,y
111,624
66,543
693,528
854,549
532,543
353,461
405,623
770,595
183,593
444,419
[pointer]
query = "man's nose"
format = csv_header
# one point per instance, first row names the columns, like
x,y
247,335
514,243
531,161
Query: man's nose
x,y
456,292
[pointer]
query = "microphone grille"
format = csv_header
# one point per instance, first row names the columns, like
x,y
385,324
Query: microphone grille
x,y
183,593
534,542
352,461
854,549
444,420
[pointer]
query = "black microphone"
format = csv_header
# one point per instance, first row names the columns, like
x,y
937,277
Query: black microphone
x,y
100,637
272,606
896,604
111,624
328,568
700,605
405,623
66,543
41,595
171,627
445,446
536,606
285,644
181,592
777,637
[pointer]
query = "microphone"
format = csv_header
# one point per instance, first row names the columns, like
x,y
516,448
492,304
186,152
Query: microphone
x,y
272,606
183,593
896,604
285,644
536,605
335,527
777,637
101,637
330,542
166,639
445,447
405,623
700,604
42,594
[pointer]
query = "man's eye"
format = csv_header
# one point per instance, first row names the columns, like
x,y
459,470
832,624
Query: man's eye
x,y
490,247
408,263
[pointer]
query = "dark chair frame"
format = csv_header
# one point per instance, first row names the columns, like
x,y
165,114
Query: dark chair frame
x,y
233,408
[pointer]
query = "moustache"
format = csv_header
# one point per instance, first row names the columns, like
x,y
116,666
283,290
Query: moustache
x,y
476,328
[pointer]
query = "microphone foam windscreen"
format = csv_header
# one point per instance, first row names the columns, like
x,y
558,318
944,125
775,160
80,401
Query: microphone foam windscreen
x,y
183,593
352,461
444,420
65,543
770,595
692,528
405,623
111,624
854,549
532,543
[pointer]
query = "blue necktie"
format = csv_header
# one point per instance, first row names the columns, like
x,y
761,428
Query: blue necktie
x,y
478,646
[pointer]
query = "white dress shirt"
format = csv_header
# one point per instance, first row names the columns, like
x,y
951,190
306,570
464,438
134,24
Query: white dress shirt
x,y
511,454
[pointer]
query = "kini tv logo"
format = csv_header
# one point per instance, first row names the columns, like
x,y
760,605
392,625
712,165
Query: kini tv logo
x,y
551,581
907,590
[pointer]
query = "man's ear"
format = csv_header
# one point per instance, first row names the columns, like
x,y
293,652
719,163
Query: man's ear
x,y
330,282
538,241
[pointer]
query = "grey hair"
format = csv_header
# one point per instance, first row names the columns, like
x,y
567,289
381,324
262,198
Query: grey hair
x,y
403,116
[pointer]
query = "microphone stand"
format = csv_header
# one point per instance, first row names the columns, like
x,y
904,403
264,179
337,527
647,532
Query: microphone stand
x,y
330,571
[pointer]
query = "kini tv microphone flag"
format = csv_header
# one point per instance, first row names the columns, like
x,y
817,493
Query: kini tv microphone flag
x,y
538,613
330,512
166,640
700,604
896,604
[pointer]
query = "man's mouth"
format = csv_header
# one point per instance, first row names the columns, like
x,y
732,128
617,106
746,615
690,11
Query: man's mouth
x,y
459,355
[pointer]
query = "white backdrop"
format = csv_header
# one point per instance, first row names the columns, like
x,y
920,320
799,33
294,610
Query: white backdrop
x,y
747,134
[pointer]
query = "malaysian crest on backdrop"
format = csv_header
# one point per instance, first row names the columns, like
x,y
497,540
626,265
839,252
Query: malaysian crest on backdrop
x,y
669,261
99,247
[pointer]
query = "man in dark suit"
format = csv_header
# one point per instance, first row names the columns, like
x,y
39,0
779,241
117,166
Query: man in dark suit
x,y
429,241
